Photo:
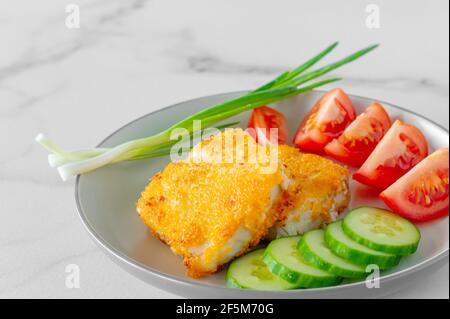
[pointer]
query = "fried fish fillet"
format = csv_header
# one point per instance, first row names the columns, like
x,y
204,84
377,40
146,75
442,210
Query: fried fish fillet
x,y
314,189
210,209
210,212
315,192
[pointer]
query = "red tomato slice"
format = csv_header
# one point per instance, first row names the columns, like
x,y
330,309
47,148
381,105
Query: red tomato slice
x,y
421,194
265,118
401,149
361,137
327,120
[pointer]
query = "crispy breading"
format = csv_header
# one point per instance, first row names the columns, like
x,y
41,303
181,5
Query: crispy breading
x,y
210,212
198,209
236,146
317,191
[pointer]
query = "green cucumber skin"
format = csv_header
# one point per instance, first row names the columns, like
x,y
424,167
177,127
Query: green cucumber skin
x,y
297,279
358,257
231,283
395,250
318,262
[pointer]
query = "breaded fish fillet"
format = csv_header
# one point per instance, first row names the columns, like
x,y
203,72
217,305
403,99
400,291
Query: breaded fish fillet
x,y
314,189
210,212
210,209
315,192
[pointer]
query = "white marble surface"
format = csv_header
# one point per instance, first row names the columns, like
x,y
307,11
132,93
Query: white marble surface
x,y
132,57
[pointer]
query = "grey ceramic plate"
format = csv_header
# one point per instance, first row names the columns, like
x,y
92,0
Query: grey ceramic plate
x,y
106,204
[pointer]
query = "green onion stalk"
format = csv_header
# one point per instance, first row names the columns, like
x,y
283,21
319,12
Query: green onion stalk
x,y
287,84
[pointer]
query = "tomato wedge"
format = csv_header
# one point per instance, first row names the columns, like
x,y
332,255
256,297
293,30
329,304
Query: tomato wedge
x,y
327,120
421,194
361,137
265,118
401,149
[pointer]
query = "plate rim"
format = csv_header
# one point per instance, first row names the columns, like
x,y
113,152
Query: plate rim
x,y
108,248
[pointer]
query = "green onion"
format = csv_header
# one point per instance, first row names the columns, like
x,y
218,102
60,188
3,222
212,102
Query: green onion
x,y
287,84
59,159
300,69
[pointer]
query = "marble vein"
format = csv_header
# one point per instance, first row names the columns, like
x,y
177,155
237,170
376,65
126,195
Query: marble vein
x,y
35,57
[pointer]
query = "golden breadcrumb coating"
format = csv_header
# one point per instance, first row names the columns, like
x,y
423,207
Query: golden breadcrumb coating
x,y
317,191
209,211
236,146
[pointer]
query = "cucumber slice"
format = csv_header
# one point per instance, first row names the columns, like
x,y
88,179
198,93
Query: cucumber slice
x,y
382,230
315,251
282,258
250,272
349,249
